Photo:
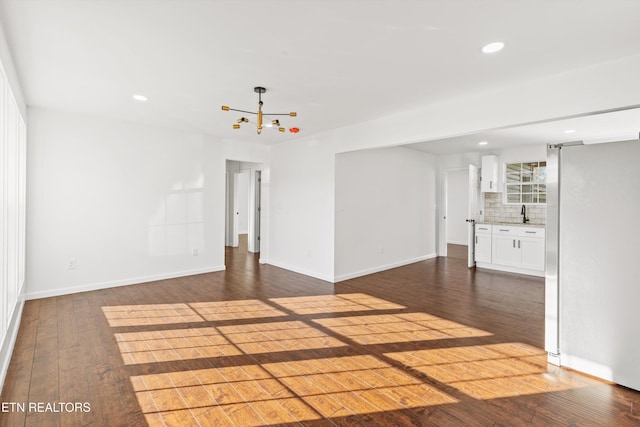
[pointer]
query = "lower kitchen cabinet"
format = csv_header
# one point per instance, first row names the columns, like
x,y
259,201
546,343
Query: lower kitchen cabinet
x,y
513,248
532,251
483,243
504,247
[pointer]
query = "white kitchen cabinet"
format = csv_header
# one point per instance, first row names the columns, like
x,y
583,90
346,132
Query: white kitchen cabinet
x,y
483,243
514,248
491,181
505,251
532,248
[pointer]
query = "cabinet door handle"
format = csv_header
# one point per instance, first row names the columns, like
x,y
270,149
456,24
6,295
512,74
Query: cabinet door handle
x,y
491,184
514,243
518,244
531,232
476,240
503,230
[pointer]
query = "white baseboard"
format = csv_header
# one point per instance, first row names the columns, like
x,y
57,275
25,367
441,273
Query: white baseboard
x,y
382,268
587,366
554,359
9,341
298,270
116,283
510,269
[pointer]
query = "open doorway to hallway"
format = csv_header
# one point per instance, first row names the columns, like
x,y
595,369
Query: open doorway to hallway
x,y
243,205
456,212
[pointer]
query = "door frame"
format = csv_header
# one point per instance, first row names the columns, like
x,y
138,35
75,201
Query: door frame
x,y
445,209
255,215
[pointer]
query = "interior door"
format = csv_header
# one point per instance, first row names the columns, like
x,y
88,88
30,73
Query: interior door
x,y
474,212
258,210
236,212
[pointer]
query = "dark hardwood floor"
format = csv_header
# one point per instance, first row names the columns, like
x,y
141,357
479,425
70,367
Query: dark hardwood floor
x,y
457,251
432,343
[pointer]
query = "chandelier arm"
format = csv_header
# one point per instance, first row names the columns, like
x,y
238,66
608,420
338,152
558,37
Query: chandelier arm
x,y
276,114
242,111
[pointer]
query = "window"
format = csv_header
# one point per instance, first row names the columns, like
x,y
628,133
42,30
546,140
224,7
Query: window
x,y
526,183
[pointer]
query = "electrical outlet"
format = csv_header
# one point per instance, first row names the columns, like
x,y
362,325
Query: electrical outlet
x,y
72,264
195,252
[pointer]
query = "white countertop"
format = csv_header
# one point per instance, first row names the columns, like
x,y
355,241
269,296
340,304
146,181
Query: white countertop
x,y
516,224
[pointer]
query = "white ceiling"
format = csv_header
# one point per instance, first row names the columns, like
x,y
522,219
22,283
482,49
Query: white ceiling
x,y
590,129
335,62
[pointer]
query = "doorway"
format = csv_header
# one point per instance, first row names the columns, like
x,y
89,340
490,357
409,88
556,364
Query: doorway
x,y
456,212
243,205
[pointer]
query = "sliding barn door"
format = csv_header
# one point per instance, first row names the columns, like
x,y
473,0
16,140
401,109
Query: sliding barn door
x,y
599,260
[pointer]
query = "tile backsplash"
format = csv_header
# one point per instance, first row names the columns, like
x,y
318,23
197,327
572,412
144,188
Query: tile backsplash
x,y
496,211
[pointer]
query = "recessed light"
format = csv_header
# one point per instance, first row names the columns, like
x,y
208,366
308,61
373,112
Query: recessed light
x,y
139,97
482,143
570,131
493,47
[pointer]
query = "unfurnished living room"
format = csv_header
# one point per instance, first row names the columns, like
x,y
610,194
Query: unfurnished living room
x,y
364,213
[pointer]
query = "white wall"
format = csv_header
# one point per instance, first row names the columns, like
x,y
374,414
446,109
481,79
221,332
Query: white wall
x,y
231,167
13,148
126,203
457,187
301,207
9,71
385,210
530,153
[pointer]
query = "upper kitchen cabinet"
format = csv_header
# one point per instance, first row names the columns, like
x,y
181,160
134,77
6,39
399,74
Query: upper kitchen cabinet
x,y
491,175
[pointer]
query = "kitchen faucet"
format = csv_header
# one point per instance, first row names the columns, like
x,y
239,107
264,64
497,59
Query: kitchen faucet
x,y
523,212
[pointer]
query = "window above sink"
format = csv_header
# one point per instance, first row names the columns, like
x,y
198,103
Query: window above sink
x,y
525,183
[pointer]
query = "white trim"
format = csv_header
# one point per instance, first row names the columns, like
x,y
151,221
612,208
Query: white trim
x,y
9,341
588,367
383,268
510,269
465,243
297,270
554,359
116,283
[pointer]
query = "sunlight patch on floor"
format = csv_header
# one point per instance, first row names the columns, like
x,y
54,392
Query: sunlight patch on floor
x,y
334,303
281,392
278,336
488,371
173,344
390,328
234,310
149,314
